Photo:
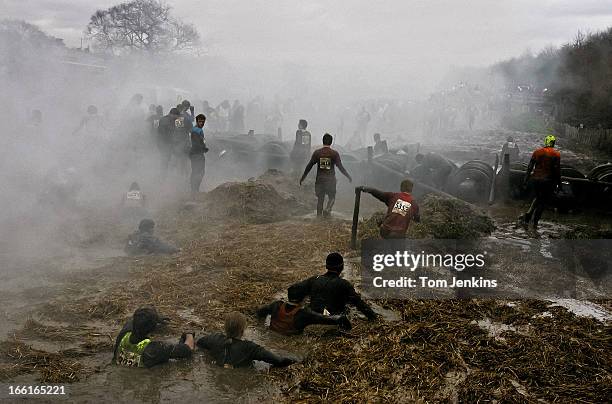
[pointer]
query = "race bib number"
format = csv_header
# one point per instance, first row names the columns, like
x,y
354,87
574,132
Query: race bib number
x,y
305,140
401,207
179,122
325,163
134,195
128,359
155,123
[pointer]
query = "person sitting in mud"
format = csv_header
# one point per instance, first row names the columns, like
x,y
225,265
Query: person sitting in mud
x,y
546,179
510,148
231,351
290,318
330,293
401,210
434,166
326,160
143,241
134,197
133,347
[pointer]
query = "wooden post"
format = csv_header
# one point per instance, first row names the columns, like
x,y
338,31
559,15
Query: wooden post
x,y
493,180
355,218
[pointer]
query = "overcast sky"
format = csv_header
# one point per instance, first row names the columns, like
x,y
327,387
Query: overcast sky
x,y
402,35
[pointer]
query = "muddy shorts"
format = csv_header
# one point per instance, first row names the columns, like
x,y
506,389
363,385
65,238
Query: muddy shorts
x,y
323,188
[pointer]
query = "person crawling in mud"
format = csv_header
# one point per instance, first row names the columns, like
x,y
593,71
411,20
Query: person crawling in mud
x,y
231,351
432,166
326,160
330,293
545,164
401,210
301,147
143,242
291,318
133,347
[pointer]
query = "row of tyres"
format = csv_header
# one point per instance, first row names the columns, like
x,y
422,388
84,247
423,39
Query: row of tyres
x,y
472,181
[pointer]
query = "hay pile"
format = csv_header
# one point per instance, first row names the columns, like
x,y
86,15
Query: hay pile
x,y
438,353
441,218
253,202
289,186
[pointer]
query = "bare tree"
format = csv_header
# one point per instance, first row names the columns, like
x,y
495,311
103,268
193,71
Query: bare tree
x,y
141,25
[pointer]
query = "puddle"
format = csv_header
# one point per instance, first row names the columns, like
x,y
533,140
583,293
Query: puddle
x,y
584,309
495,329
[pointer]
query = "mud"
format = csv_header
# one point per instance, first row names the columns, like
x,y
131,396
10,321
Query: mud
x,y
62,312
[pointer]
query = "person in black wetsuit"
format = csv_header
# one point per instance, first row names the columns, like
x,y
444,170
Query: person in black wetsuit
x,y
290,318
133,348
332,293
143,241
231,351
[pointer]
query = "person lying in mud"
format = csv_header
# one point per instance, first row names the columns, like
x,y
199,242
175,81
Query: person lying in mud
x,y
434,166
143,242
290,318
133,347
326,159
401,210
231,351
331,293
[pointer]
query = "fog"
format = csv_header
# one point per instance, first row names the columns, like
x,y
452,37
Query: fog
x,y
317,60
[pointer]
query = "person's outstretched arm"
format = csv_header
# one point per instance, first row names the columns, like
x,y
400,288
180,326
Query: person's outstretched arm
x,y
380,195
311,163
342,169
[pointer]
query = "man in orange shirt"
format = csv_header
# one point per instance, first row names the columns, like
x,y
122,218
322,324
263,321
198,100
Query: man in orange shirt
x,y
546,178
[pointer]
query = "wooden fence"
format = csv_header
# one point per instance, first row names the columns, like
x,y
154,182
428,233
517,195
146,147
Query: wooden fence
x,y
593,137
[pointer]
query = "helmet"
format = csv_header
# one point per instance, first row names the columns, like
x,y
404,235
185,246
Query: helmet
x,y
549,141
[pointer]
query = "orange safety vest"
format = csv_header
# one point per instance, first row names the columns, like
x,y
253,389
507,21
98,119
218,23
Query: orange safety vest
x,y
283,321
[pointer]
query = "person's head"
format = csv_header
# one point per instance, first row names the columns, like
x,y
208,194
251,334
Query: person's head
x,y
159,110
200,119
235,324
327,139
377,137
146,225
92,110
134,186
419,158
302,124
205,105
294,295
406,186
152,108
144,320
510,139
334,262
549,141
174,111
185,105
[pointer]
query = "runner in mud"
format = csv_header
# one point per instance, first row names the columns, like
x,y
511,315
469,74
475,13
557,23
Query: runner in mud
x,y
196,154
133,204
143,242
329,292
510,148
326,160
546,179
301,147
401,210
434,166
133,348
290,318
231,351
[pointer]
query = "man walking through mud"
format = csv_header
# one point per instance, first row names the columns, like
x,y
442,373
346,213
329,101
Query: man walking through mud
x,y
301,147
196,154
326,160
401,210
546,179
